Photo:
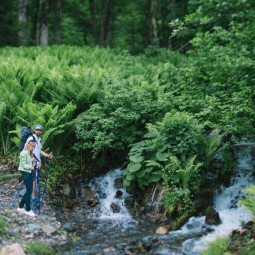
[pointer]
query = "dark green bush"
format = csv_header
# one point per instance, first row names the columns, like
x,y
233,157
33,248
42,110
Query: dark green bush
x,y
107,128
178,134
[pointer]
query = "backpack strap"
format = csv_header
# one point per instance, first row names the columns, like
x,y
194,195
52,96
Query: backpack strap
x,y
34,139
36,158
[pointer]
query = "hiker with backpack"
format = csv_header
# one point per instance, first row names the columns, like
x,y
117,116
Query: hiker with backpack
x,y
26,167
36,137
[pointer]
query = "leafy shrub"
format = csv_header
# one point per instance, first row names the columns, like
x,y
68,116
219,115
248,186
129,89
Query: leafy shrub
x,y
177,135
177,199
108,127
62,170
181,174
249,200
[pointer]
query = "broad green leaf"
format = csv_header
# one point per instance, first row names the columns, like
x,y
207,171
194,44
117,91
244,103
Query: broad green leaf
x,y
162,156
136,158
133,167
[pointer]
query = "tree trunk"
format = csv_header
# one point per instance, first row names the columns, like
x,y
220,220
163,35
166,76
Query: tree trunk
x,y
37,24
58,21
154,31
22,18
108,21
103,22
173,3
44,23
93,21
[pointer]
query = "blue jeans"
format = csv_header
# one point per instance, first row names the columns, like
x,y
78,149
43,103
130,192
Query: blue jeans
x,y
27,178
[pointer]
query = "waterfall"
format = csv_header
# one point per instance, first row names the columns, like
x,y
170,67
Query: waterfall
x,y
112,206
113,224
232,214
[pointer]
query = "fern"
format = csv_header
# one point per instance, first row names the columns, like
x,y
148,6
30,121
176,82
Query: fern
x,y
249,200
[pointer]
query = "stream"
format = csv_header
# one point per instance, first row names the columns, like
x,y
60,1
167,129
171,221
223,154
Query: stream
x,y
111,229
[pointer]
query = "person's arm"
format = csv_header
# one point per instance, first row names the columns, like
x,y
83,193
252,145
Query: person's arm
x,y
46,154
24,162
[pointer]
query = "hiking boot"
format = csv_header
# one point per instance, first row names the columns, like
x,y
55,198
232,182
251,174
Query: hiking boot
x,y
30,213
21,210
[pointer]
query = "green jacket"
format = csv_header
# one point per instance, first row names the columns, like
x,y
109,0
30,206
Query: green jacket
x,y
25,161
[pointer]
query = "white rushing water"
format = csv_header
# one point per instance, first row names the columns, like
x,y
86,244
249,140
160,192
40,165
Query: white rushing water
x,y
232,214
113,210
105,189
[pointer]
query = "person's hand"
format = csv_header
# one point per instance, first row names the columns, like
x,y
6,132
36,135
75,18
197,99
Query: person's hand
x,y
39,166
50,156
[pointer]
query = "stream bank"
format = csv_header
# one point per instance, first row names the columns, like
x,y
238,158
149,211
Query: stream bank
x,y
101,224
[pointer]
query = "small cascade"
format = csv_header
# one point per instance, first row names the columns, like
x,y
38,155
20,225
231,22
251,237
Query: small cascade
x,y
111,200
109,225
232,214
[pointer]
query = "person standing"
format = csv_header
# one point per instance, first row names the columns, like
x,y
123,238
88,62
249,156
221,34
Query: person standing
x,y
26,166
38,152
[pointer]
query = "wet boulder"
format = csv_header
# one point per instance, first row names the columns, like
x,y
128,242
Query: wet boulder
x,y
118,194
115,208
118,183
69,227
129,202
93,201
212,216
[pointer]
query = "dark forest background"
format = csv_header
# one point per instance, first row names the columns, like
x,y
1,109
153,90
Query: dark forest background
x,y
127,24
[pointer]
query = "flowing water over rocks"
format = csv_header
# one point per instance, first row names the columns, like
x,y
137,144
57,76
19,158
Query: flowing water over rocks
x,y
105,231
102,225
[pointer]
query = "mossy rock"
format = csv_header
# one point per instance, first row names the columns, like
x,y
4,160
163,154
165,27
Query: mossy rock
x,y
212,216
182,219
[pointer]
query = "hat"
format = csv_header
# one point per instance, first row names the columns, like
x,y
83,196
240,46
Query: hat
x,y
38,127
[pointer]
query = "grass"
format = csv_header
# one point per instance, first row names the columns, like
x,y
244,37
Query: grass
x,y
8,176
2,227
35,248
217,247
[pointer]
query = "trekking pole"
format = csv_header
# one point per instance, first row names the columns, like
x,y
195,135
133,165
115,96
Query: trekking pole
x,y
36,202
45,184
17,194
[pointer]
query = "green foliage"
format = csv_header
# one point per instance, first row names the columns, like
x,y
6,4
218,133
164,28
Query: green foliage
x,y
118,98
63,169
249,200
117,121
227,165
180,173
213,146
180,180
35,248
177,135
8,176
217,82
2,226
178,199
217,247
55,122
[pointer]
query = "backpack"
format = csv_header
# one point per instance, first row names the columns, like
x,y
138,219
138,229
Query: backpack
x,y
25,133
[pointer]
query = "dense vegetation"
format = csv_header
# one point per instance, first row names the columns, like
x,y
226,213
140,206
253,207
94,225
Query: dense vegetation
x,y
163,112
